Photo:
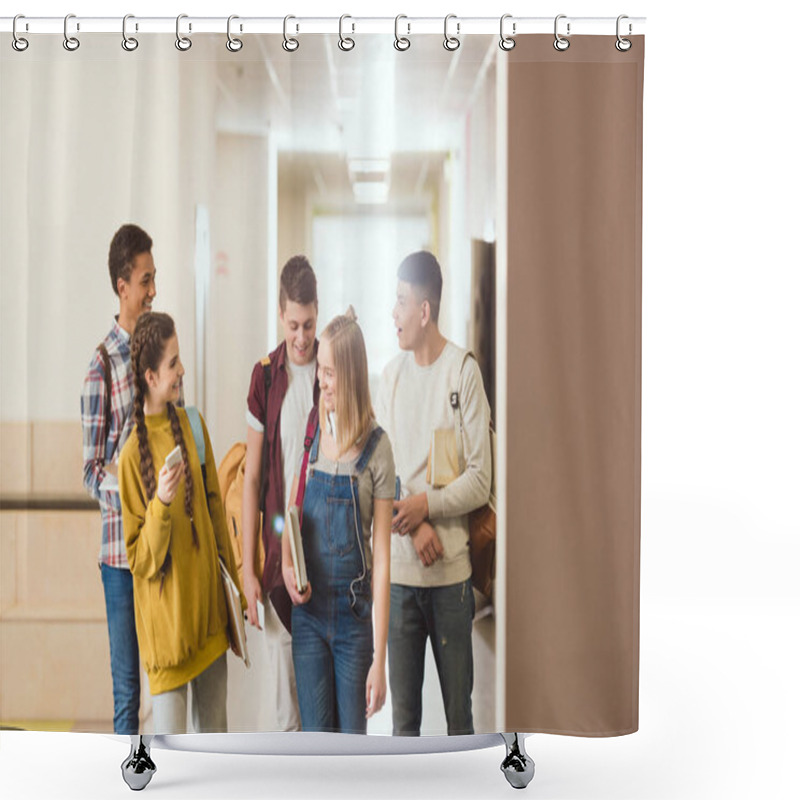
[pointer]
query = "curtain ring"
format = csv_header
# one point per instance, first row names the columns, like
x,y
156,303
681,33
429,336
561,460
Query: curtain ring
x,y
71,43
128,42
623,45
401,43
506,42
451,43
289,44
346,43
183,43
17,42
233,44
560,43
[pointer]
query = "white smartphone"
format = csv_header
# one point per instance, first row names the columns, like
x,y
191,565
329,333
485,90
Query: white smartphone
x,y
262,616
174,458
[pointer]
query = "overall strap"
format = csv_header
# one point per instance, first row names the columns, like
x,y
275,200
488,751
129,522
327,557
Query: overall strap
x,y
315,442
369,449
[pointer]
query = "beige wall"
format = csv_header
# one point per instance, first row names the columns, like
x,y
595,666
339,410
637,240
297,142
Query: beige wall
x,y
52,612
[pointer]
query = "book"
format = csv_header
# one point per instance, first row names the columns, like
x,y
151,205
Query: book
x,y
443,466
236,629
298,554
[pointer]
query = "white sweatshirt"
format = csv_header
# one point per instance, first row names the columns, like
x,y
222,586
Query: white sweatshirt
x,y
413,401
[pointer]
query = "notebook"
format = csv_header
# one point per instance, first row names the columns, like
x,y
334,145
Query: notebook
x,y
298,555
236,629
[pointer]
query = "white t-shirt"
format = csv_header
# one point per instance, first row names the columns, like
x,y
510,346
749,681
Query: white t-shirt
x,y
296,407
294,415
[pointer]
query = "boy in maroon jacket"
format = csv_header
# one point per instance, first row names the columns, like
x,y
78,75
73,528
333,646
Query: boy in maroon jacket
x,y
283,390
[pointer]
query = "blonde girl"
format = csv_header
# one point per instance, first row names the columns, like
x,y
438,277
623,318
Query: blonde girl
x,y
174,537
339,659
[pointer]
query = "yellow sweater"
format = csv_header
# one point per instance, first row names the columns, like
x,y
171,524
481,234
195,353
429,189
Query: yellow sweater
x,y
182,624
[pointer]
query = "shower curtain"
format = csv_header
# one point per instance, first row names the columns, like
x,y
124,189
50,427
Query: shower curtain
x,y
518,171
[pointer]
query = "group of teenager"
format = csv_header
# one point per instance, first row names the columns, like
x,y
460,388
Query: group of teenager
x,y
386,553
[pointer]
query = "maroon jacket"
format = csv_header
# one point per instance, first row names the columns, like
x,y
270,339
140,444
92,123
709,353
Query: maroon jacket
x,y
275,500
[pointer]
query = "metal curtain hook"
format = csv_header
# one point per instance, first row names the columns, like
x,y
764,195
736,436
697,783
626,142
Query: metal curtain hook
x,y
183,43
506,42
560,43
345,42
451,43
71,43
623,45
233,44
289,44
17,42
401,42
128,42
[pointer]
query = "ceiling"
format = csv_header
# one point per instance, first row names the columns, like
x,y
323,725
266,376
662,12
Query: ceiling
x,y
327,109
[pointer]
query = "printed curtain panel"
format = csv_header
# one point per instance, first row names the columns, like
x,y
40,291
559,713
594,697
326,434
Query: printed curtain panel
x,y
440,252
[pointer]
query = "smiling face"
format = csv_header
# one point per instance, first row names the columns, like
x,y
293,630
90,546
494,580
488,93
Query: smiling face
x,y
136,295
164,385
299,324
410,317
326,372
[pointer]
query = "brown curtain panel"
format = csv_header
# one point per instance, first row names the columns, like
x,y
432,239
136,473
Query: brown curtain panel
x,y
574,386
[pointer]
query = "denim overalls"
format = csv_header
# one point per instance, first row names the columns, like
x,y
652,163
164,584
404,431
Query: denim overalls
x,y
332,633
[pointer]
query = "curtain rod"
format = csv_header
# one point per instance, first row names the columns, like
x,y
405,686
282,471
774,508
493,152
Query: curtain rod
x,y
407,26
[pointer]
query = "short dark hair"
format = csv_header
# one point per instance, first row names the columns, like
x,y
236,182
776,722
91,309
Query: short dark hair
x,y
128,242
298,283
422,270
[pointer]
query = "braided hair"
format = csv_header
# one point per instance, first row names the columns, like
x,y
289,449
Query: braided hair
x,y
153,330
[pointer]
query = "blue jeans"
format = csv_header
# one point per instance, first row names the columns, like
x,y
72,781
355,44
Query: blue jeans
x,y
118,588
445,614
332,633
332,654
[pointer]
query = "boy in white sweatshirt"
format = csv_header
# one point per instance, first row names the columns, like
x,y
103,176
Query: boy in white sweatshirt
x,y
431,594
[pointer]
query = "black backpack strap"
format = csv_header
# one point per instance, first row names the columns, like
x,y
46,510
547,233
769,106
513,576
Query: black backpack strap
x,y
101,348
262,495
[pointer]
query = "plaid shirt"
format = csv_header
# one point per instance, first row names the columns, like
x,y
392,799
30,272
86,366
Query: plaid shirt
x,y
98,452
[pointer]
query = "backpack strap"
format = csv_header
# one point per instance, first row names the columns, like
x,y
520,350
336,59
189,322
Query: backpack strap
x,y
455,404
101,348
262,492
197,432
311,433
199,442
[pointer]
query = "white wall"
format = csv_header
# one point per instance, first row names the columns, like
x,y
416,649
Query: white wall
x,y
108,140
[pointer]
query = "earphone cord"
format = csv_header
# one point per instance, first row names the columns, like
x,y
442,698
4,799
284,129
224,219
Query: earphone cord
x,y
360,545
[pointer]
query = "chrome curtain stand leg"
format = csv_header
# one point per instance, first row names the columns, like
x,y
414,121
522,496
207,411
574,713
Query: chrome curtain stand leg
x,y
518,766
138,768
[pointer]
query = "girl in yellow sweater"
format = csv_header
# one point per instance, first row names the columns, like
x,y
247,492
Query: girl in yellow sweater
x,y
174,538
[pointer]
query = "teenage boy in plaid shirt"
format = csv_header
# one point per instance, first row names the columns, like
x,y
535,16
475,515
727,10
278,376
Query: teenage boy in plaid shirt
x,y
133,278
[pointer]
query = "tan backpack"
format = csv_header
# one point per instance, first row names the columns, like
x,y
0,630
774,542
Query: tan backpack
x,y
231,486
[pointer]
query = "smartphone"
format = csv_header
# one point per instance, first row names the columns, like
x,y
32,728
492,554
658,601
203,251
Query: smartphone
x,y
262,615
174,458
396,492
